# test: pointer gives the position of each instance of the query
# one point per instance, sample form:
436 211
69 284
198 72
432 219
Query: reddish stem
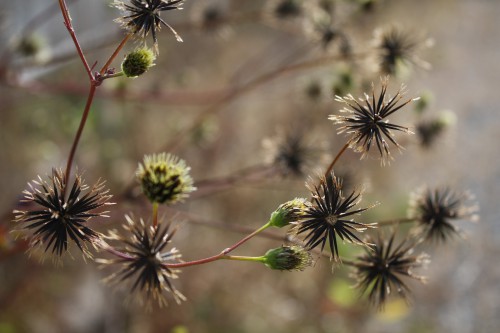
246 87
86 111
115 53
69 26
330 167
219 256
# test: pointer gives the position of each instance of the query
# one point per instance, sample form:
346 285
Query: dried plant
54 214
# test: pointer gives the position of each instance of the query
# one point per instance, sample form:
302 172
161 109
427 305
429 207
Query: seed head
327 218
138 62
290 211
367 123
382 269
429 130
142 255
59 217
436 211
165 178
283 9
143 17
30 45
289 153
288 258
397 47
212 16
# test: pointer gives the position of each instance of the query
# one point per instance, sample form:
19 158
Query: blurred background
249 76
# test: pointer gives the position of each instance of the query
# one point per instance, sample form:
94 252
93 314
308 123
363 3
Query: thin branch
252 84
69 26
83 121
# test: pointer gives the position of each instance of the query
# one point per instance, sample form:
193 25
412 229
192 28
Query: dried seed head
290 153
328 216
398 49
437 210
58 217
383 267
142 255
367 124
143 16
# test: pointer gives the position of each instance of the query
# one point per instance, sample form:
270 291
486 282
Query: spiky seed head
367 124
382 269
164 178
329 216
290 153
138 62
142 17
141 253
288 258
437 211
398 49
60 213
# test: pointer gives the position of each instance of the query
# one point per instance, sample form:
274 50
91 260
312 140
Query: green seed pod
30 46
138 62
290 211
164 178
287 258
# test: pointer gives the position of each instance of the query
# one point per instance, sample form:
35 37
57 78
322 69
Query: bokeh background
43 90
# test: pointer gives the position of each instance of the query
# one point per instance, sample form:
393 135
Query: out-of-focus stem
395 221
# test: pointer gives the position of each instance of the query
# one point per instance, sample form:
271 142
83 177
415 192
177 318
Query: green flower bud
290 211
138 62
288 258
164 178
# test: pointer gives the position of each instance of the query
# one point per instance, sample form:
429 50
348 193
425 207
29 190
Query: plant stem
395 221
254 173
115 53
246 87
222 255
245 258
330 167
155 214
265 226
69 26
86 111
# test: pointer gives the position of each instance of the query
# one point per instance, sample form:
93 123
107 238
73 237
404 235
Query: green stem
110 76
155 214
245 258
